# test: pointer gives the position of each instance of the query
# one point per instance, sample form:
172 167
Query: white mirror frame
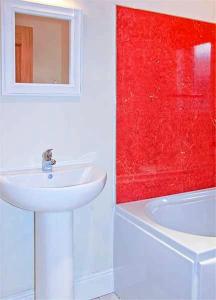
9 86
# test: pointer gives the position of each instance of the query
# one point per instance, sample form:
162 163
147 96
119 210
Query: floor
108 297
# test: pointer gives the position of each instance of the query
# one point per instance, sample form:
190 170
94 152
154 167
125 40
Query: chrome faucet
47 161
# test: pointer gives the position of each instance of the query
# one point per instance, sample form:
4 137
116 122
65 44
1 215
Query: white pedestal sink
53 196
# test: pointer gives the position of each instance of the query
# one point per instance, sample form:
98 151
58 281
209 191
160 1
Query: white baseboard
94 286
25 295
88 287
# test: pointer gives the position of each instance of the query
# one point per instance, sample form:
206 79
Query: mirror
41 46
41 49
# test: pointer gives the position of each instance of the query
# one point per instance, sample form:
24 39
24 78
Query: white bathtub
165 248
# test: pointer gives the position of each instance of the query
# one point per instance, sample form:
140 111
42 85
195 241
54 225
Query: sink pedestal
54 256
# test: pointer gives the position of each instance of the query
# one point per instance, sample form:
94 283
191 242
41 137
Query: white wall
29 125
72 127
204 10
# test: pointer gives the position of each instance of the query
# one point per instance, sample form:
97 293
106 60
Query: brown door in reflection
24 54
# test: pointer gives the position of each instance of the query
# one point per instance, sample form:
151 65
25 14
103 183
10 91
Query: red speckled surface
165 105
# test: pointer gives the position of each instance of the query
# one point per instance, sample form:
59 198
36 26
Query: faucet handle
47 155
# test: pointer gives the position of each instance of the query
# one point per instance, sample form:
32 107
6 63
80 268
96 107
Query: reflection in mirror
41 49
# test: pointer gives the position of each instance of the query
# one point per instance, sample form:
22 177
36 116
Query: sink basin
53 197
66 188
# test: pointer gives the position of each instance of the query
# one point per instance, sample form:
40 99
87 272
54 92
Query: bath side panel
147 269
207 286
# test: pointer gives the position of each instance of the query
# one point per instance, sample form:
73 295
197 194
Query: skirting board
86 288
25 295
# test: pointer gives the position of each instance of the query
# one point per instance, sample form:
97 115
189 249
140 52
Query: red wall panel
165 104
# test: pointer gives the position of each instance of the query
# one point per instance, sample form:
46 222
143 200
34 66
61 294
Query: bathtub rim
194 246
